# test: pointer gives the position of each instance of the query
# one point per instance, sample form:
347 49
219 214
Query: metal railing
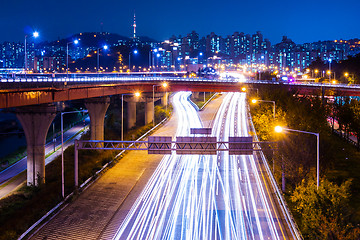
279 196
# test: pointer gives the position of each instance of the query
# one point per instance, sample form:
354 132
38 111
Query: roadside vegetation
199 98
22 209
332 211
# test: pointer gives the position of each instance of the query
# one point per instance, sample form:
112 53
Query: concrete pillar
195 94
149 110
36 121
97 108
131 112
164 99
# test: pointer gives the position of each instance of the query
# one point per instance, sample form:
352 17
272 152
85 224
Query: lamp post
163 85
351 74
105 47
35 35
273 102
157 60
62 150
67 56
137 94
330 60
281 129
200 55
244 89
151 58
134 52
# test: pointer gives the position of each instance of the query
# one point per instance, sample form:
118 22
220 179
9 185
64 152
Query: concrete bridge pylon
97 108
36 120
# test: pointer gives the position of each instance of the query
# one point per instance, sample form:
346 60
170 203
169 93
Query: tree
355 124
324 213
344 115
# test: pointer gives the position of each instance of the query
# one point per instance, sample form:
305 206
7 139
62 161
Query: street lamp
151 58
35 35
200 55
330 60
67 56
244 89
137 94
280 129
164 85
62 150
347 76
134 52
273 102
316 72
105 47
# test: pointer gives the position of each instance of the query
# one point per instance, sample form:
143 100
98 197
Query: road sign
241 145
159 145
206 131
196 145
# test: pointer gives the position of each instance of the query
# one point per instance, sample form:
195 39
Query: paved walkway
99 211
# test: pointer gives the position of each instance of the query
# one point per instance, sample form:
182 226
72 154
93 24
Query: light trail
205 197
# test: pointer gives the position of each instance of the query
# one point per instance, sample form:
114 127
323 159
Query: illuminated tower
134 25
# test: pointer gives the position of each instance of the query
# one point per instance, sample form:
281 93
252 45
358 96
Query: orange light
278 129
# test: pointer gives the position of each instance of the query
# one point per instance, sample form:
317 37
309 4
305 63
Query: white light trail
205 197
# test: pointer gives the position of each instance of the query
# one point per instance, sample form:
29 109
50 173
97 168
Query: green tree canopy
324 213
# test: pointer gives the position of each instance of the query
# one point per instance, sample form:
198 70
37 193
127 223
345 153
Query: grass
12 158
199 101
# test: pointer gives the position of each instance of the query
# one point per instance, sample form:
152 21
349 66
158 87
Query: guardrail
114 79
279 196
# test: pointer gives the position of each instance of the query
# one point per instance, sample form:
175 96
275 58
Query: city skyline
306 22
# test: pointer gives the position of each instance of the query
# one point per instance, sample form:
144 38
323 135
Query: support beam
195 94
149 110
97 108
164 99
131 112
36 121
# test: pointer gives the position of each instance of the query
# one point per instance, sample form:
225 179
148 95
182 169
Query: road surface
206 196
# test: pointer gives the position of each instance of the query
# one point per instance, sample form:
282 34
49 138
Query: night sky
302 21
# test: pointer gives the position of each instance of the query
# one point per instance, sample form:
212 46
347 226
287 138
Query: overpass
34 98
40 90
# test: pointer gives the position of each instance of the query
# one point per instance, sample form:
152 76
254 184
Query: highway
207 196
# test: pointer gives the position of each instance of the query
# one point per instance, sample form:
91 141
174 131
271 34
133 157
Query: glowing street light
280 129
67 56
34 35
164 85
105 47
136 94
151 57
330 60
134 52
273 102
244 89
